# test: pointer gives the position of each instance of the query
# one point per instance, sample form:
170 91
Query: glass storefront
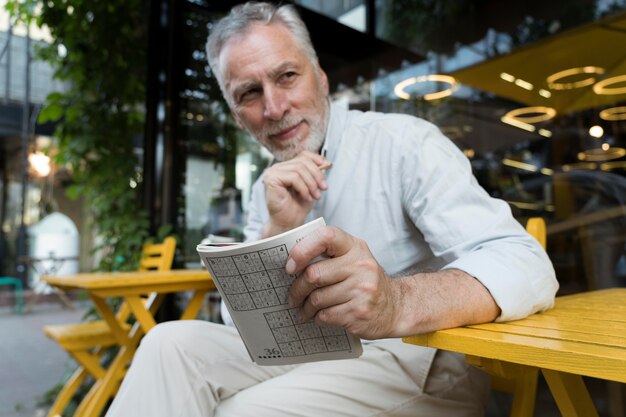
537 104
533 94
221 161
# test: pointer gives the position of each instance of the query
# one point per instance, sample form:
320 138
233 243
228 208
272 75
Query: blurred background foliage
99 51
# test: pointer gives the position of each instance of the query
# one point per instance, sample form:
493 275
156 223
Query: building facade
534 94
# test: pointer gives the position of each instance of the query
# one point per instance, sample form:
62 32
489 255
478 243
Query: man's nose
276 103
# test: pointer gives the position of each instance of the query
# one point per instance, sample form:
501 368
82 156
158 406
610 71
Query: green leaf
50 113
74 191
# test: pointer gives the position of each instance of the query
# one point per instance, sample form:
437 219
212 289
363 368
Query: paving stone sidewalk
30 363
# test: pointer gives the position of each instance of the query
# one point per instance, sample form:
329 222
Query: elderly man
414 244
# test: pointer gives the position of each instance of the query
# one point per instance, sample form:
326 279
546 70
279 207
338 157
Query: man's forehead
263 42
260 35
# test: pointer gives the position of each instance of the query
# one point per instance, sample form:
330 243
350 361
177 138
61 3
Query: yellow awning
600 47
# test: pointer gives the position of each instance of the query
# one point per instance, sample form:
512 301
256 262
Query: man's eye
249 94
288 76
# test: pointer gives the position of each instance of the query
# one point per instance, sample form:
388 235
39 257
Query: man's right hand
291 187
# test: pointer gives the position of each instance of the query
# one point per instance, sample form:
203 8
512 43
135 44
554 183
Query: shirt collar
334 132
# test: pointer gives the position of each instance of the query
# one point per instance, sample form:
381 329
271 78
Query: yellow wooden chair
519 381
86 342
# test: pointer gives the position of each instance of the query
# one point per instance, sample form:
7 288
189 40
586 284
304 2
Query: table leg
31 301
616 399
109 316
570 393
194 306
65 299
142 315
106 387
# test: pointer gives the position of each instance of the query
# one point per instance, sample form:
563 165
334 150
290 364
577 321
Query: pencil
325 166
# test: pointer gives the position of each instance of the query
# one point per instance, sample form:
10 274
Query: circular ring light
399 88
553 84
602 89
610 166
613 114
534 114
579 166
599 154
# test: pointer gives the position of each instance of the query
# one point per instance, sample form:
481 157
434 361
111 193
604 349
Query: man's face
274 90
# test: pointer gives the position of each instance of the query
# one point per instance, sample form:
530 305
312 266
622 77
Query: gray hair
239 20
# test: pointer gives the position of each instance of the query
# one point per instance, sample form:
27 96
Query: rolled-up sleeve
473 232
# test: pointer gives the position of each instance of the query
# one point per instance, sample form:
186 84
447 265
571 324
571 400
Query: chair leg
19 297
88 364
524 394
18 291
83 407
105 388
570 393
68 391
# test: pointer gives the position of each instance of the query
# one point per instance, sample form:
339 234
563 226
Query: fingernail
290 266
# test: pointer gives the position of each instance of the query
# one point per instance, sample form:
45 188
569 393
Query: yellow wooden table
130 286
584 335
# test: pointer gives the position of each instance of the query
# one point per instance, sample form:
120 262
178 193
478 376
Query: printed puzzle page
253 283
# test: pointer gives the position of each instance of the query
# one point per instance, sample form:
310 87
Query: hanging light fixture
447 79
555 83
602 88
613 114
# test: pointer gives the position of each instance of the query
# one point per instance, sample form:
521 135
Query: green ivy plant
99 51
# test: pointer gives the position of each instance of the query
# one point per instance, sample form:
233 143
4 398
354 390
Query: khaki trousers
202 369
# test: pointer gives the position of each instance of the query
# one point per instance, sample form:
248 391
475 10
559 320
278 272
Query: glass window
537 102
221 161
352 13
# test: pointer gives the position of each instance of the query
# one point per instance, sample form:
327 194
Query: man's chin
285 152
285 155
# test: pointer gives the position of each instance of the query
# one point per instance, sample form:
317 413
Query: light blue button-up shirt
399 184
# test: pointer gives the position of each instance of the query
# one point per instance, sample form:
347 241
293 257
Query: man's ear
323 80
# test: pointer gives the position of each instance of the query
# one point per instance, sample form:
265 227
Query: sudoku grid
296 338
254 280
258 280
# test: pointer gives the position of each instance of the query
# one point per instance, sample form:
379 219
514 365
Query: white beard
313 143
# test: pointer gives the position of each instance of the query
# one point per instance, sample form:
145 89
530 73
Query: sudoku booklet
252 281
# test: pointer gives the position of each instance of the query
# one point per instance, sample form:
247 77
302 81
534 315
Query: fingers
355 297
324 274
348 288
291 188
302 175
318 275
329 241
296 178
324 298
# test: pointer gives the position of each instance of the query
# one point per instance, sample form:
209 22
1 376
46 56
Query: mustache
282 125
